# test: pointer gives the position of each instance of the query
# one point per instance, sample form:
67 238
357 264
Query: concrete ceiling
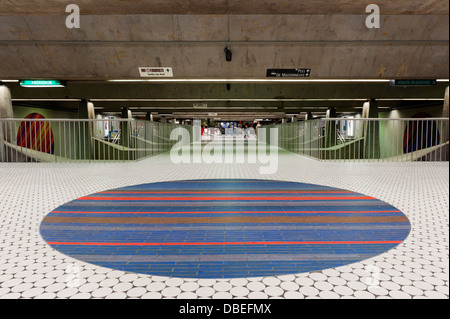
109 7
333 46
116 37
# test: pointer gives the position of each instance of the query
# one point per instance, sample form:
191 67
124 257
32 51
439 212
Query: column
197 141
149 128
330 128
446 102
85 132
126 129
7 130
371 130
306 141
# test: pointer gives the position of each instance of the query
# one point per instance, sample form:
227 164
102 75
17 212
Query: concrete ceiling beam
108 7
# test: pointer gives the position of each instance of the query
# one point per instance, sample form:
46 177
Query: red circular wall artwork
36 135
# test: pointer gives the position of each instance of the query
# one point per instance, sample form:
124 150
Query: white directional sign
288 73
200 105
156 72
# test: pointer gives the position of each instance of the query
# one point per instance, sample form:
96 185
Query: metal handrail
82 140
374 139
75 140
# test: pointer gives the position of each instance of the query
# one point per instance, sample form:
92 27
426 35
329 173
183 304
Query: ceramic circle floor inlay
224 228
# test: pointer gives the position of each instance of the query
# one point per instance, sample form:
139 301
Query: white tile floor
417 268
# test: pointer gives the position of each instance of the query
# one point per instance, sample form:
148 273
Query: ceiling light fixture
282 80
223 100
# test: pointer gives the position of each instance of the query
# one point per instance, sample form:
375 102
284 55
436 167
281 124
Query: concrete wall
433 111
21 111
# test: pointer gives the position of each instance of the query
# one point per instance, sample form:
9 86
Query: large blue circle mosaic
224 228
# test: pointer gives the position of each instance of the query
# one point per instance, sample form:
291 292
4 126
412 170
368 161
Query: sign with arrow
424 82
288 73
156 72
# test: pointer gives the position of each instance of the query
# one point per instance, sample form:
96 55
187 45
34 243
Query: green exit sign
413 82
42 83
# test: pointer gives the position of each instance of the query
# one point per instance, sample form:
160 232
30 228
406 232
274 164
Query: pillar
85 131
126 128
149 127
446 102
6 111
196 141
330 128
371 130
306 135
86 110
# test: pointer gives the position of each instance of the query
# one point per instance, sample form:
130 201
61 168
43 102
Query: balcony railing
380 140
386 140
62 140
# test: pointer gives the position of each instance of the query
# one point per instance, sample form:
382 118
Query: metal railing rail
339 139
83 140
374 139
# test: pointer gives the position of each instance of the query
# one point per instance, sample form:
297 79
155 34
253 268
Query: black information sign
413 82
288 73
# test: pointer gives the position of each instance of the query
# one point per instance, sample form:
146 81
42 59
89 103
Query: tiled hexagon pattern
417 268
